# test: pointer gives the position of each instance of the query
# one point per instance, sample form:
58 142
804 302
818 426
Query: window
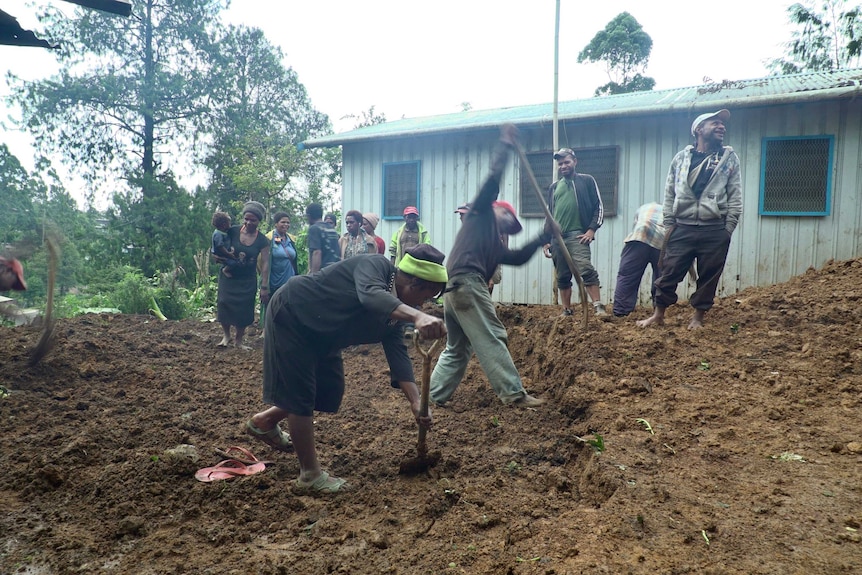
796 176
601 163
400 188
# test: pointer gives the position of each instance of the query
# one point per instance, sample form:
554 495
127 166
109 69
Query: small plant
705 538
154 458
597 443
788 456
4 393
704 365
734 328
646 424
495 421
513 467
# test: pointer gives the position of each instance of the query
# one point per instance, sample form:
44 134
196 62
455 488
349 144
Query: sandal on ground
239 454
228 469
275 437
324 483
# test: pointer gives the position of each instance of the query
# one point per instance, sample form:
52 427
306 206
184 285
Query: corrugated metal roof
725 94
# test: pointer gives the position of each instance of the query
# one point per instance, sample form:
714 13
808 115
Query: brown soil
753 465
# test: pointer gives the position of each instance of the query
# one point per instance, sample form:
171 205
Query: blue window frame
400 188
796 176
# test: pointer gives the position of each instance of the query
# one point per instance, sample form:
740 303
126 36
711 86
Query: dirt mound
733 449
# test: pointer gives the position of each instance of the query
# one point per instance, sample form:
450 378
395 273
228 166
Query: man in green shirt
575 201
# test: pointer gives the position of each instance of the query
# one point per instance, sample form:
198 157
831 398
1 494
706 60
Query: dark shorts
300 375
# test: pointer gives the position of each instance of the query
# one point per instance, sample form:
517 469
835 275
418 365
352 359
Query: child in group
221 246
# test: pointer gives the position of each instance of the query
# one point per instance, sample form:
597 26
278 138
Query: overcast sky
411 59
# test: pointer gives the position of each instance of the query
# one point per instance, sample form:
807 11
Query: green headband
423 269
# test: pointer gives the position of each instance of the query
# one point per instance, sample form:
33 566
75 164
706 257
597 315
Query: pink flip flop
228 469
240 454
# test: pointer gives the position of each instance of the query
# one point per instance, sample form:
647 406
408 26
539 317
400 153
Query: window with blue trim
400 188
796 176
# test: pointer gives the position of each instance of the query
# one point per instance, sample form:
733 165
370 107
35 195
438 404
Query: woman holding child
236 293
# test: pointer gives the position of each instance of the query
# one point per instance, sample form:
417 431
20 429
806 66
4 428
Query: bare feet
697 320
657 318
224 341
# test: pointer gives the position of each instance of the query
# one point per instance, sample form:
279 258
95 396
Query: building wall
765 249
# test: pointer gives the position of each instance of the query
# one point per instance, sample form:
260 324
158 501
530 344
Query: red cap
16 268
506 205
411 210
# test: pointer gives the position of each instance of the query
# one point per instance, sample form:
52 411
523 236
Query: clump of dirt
733 449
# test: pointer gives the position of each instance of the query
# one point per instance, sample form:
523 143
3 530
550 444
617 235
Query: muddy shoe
325 483
528 401
275 437
600 309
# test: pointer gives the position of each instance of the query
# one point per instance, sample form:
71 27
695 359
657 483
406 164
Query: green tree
129 91
624 48
17 188
260 114
33 209
181 229
828 36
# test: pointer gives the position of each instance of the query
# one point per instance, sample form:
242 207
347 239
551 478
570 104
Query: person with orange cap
471 320
411 233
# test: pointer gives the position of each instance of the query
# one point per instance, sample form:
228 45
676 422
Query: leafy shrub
134 293
302 252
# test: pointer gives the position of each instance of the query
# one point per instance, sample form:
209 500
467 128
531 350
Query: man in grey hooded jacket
702 206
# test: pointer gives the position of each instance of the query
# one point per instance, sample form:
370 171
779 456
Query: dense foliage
135 102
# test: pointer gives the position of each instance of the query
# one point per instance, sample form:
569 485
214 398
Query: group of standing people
354 294
700 210
244 252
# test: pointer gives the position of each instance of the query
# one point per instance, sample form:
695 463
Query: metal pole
556 142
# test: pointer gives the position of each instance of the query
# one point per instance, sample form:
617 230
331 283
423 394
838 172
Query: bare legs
566 295
226 339
301 429
240 334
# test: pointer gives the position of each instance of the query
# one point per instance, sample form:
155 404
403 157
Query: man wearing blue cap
702 206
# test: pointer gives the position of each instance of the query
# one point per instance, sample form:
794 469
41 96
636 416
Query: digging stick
423 460
425 391
525 165
46 341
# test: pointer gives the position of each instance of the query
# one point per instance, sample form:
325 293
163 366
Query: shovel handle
425 388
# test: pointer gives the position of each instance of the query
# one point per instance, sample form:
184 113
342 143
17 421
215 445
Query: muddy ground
734 449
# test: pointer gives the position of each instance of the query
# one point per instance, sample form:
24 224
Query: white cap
723 115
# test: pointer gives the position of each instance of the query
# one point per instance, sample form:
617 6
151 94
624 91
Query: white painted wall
765 250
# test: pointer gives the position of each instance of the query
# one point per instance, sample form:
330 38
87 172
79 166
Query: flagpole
556 142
